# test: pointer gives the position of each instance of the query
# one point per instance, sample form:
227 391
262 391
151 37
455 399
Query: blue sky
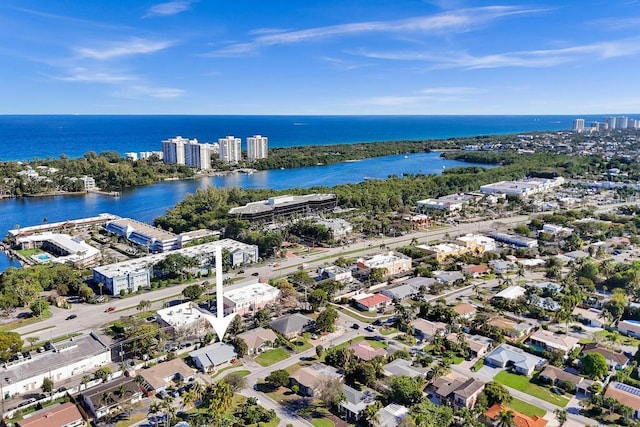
319 57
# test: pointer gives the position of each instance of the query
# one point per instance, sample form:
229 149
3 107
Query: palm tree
85 380
370 413
122 390
506 418
154 408
561 416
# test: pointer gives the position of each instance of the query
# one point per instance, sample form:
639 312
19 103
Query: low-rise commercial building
522 188
59 361
153 238
249 297
514 240
283 206
450 203
183 319
473 241
137 273
394 263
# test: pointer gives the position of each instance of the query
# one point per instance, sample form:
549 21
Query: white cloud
130 47
531 59
84 75
169 8
143 91
459 20
616 23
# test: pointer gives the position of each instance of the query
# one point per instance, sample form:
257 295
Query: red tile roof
374 300
520 420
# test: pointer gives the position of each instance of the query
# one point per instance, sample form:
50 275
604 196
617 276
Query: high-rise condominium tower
257 147
230 150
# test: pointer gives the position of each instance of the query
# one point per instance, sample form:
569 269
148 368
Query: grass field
522 383
479 364
270 357
618 338
241 373
322 422
526 408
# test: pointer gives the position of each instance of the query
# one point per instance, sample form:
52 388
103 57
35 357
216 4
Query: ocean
28 137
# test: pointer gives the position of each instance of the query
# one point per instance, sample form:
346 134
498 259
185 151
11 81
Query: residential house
372 302
506 355
492 417
213 357
401 368
590 317
630 328
457 391
500 266
549 341
364 351
510 293
625 394
556 376
354 402
100 400
399 293
465 310
476 344
308 378
65 415
258 339
544 286
510 328
392 415
427 329
616 359
158 377
476 271
449 278
292 325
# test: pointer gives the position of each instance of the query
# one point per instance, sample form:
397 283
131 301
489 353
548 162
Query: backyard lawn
270 357
612 336
322 422
522 383
526 408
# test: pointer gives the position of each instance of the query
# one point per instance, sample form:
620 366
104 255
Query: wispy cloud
427 95
84 75
344 64
458 20
169 8
143 91
531 58
134 46
616 23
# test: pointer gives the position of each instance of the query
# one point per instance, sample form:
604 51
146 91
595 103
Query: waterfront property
72 225
283 206
60 248
59 361
153 238
131 275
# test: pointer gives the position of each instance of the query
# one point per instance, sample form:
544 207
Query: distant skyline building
611 122
173 150
257 147
622 122
198 155
578 125
230 149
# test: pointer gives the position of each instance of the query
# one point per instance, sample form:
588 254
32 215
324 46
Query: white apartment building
230 149
198 155
257 147
578 125
173 150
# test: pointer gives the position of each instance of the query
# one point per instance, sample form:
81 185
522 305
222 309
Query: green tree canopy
594 365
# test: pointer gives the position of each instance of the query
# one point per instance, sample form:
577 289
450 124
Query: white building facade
257 147
230 149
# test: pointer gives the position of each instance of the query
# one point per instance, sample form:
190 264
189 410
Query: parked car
72 316
255 274
355 326
370 328
110 309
